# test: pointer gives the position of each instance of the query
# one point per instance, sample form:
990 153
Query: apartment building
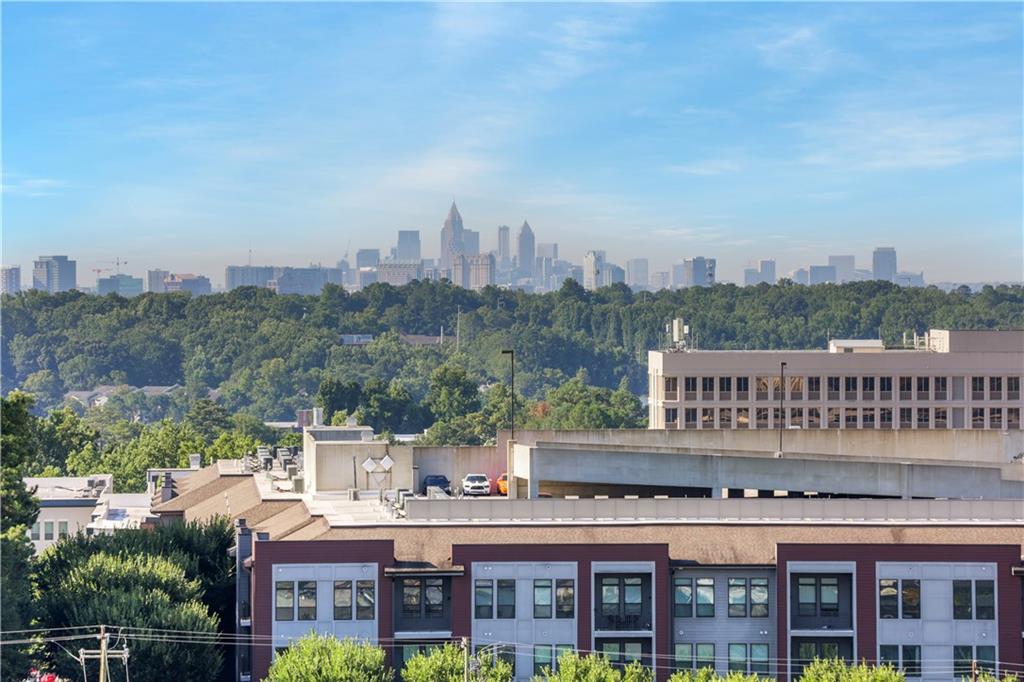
951 380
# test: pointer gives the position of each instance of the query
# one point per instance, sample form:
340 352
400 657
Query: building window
813 418
343 600
542 658
867 418
684 656
977 388
885 388
762 417
1013 388
923 388
912 660
851 417
707 388
725 418
813 388
671 388
850 387
34 533
834 417
560 651
977 417
724 387
962 600
888 598
671 415
817 596
762 388
995 418
690 414
366 600
47 530
995 388
542 598
807 596
738 658
506 599
910 598
963 658
906 417
705 656
743 417
632 596
705 597
759 660
62 529
1013 417
433 598
867 387
796 416
986 658
284 600
941 419
984 600
411 591
885 417
507 653
941 384
737 597
565 598
759 597
307 600
923 418
690 388
796 388
889 654
682 599
742 388
906 388
833 388
483 599
707 418
829 594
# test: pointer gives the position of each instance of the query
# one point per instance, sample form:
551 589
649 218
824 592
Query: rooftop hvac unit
299 484
195 460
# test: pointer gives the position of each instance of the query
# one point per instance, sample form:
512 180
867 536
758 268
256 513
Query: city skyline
834 136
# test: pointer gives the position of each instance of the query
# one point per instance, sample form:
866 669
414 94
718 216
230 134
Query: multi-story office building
660 280
822 274
451 238
883 263
636 273
504 246
763 273
197 285
800 276
408 248
120 284
54 274
399 272
470 242
845 267
699 271
473 272
249 276
593 270
955 380
547 250
613 274
10 279
526 251
927 585
155 281
367 258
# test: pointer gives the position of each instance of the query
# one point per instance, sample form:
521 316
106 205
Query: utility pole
782 402
465 659
103 653
512 410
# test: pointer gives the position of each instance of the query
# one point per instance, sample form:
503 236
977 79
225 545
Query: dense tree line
267 355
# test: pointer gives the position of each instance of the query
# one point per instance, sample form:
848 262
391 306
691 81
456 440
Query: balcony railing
622 622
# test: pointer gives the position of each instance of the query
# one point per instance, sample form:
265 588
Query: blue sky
174 135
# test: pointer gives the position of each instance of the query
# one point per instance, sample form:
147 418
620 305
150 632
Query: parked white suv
476 484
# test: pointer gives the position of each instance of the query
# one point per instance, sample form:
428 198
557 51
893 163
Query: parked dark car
436 480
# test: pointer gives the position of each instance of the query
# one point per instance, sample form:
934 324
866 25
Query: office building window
542 598
833 388
777 418
705 656
507 653
912 660
885 417
796 388
762 417
47 530
366 600
867 418
906 388
813 418
737 597
342 600
632 597
807 596
888 598
565 598
307 600
682 598
829 595
889 654
941 384
671 388
759 660
923 388
995 418
671 415
995 388
724 387
796 416
851 417
986 658
742 388
977 417
759 597
506 599
562 650
963 604
707 388
411 591
483 597
977 388
542 658
707 418
963 658
1013 388
906 417
1013 417
762 388
705 597
923 418
867 387
684 656
984 599
817 596
725 418
813 388
690 387
885 388
743 418
284 600
850 387
910 598
690 415
737 658
941 418
62 530
34 533
834 417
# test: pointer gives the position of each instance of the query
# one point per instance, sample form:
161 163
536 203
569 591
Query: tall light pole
512 410
782 401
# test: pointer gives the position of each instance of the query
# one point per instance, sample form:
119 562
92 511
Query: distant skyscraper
451 238
245 276
122 285
636 273
593 270
155 281
699 271
526 250
399 272
470 242
408 245
54 274
764 272
473 272
10 279
504 246
547 250
679 274
660 280
367 258
821 274
799 276
883 263
751 277
845 267
613 274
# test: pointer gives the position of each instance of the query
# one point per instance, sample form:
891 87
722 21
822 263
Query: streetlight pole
782 402
512 410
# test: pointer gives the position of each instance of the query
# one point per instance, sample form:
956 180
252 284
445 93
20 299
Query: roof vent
195 460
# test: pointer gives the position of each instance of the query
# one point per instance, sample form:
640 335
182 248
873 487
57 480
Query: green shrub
325 658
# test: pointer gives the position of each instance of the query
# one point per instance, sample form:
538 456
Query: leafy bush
324 658
447 664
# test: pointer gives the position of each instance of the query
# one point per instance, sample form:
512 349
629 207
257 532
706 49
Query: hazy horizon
177 136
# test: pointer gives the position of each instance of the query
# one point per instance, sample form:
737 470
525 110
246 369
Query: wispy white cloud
706 167
803 48
23 186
